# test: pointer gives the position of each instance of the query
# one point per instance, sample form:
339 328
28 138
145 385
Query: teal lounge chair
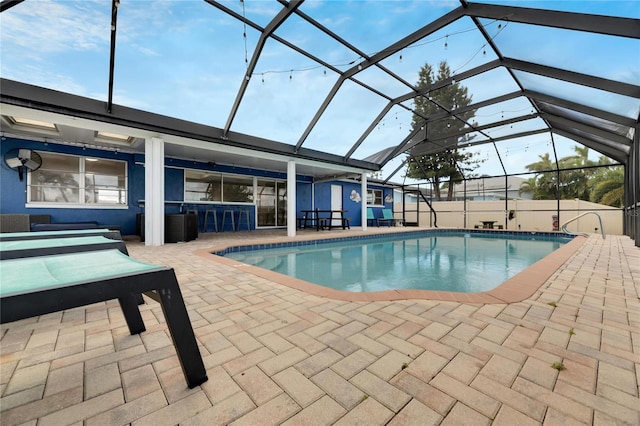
387 217
44 247
34 286
371 218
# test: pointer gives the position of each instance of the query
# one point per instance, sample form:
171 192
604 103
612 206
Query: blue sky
187 59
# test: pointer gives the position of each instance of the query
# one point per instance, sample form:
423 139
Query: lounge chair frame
34 249
160 283
38 235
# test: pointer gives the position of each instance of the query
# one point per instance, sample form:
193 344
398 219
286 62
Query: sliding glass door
272 203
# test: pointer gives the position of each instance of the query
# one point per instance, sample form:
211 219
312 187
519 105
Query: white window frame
371 193
81 189
222 175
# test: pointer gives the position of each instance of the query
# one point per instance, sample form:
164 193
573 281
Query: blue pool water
445 261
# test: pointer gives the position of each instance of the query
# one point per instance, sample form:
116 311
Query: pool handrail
564 225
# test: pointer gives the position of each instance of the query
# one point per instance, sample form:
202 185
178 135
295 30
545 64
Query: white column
154 192
291 199
363 191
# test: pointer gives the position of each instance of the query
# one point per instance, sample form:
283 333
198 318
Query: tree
607 186
576 178
543 185
448 164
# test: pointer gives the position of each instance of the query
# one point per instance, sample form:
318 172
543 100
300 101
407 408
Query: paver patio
278 355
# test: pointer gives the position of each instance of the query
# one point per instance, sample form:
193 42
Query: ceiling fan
23 160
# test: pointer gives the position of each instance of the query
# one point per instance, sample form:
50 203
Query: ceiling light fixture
112 137
28 122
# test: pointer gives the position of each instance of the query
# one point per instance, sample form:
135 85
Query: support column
363 191
633 203
291 199
154 192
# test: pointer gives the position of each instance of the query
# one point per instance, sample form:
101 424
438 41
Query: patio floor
278 355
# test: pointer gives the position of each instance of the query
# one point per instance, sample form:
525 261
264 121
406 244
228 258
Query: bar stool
230 213
210 213
244 213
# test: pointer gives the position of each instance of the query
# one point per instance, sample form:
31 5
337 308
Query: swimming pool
429 260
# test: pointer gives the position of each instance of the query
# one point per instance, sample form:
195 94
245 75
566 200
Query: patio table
40 285
323 217
43 247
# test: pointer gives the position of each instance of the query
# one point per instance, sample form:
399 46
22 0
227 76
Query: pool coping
517 288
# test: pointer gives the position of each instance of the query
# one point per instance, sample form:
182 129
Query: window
237 189
202 186
68 179
374 197
207 186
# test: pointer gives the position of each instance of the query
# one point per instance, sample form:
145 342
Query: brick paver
278 355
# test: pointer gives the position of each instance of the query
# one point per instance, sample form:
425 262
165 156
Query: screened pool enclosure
545 91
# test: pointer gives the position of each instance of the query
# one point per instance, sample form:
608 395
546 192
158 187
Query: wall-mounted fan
23 160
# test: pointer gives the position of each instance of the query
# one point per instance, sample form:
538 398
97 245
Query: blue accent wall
304 191
13 191
308 195
323 199
13 195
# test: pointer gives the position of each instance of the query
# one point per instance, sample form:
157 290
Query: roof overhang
185 139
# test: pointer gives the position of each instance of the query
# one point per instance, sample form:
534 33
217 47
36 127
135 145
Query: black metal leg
139 299
129 306
182 334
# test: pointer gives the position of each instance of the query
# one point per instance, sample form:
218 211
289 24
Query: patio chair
40 285
60 242
388 218
18 249
64 226
42 235
371 217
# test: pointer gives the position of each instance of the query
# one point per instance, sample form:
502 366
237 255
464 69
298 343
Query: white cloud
46 27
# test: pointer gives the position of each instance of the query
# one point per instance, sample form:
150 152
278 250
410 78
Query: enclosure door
272 203
336 203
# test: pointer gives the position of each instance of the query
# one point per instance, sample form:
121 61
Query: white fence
528 215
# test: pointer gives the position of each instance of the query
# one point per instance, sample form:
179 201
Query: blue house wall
353 205
308 195
13 195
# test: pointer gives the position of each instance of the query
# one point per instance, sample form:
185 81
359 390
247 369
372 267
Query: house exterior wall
13 191
352 205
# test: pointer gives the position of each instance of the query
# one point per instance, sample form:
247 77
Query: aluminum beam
616 139
38 98
264 36
604 150
115 4
8 4
621 27
383 54
613 86
584 109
